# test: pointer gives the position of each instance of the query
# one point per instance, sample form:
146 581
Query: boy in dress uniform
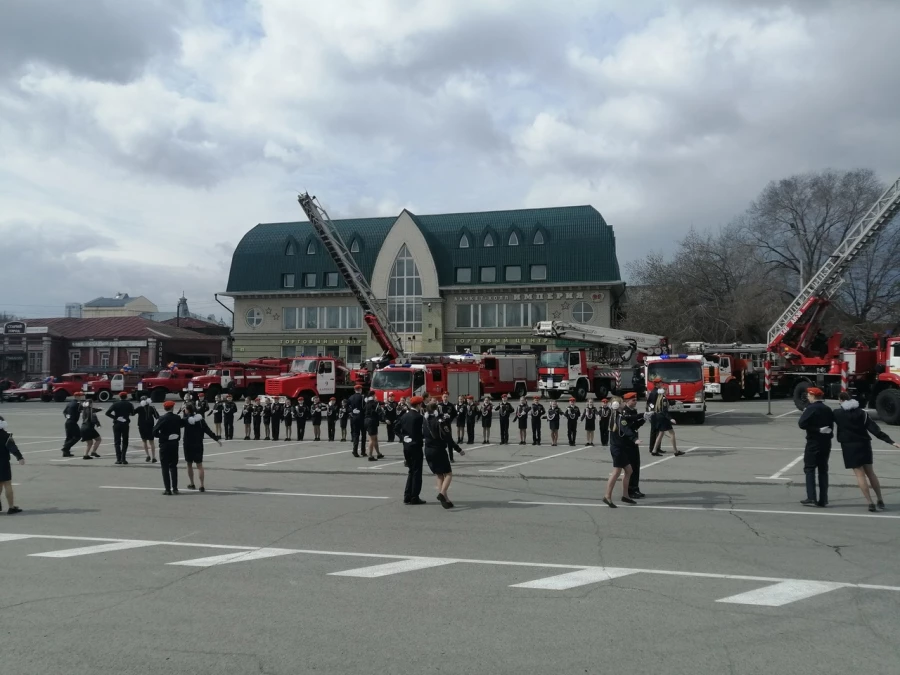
301 415
343 417
229 409
635 420
277 416
537 413
355 404
410 430
120 413
390 417
472 413
315 416
504 412
331 413
288 417
553 416
460 418
603 419
817 420
73 431
168 430
256 411
573 414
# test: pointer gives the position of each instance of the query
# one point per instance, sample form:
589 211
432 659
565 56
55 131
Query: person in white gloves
7 448
195 427
120 413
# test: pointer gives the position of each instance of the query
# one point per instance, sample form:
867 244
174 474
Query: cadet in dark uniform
194 428
435 446
664 424
331 413
537 413
301 415
247 418
8 447
168 430
146 418
634 422
657 390
371 415
277 416
267 417
622 435
89 433
487 413
553 417
603 416
73 432
472 414
390 416
201 407
460 419
590 422
410 429
355 405
229 409
217 407
120 413
573 414
315 416
256 410
504 412
343 417
522 418
817 421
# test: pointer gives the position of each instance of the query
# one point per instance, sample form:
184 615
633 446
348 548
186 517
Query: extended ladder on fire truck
725 348
373 314
826 281
635 342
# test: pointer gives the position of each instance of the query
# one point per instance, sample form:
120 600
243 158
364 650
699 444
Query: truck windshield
392 379
675 371
553 359
212 372
165 374
303 366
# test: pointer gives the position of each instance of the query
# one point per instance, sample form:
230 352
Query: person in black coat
73 431
247 418
390 416
603 415
372 415
409 427
854 427
355 405
487 414
505 411
435 447
277 416
89 433
522 418
120 413
316 410
537 413
554 414
8 447
256 411
817 420
168 430
472 414
217 406
301 416
635 422
343 419
589 416
623 438
656 390
147 415
194 428
663 422
331 414
229 409
572 414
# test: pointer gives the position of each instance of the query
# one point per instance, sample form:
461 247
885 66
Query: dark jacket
854 426
8 447
356 403
193 434
168 428
72 411
624 433
432 436
411 427
814 420
120 408
146 415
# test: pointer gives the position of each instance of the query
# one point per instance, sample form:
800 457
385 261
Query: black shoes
86 457
872 508
637 494
154 460
124 462
118 461
175 491
610 503
202 489
13 510
813 503
191 487
380 456
372 458
628 500
94 454
147 459
68 454
881 505
168 493
355 454
414 502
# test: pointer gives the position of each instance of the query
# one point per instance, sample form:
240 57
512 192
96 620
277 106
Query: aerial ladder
791 333
373 313
632 342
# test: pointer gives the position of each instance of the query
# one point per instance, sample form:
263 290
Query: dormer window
354 246
488 240
464 241
513 239
290 249
538 238
311 249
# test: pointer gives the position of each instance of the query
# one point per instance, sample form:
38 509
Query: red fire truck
803 356
109 386
65 385
431 374
237 378
172 380
578 371
310 376
512 373
682 377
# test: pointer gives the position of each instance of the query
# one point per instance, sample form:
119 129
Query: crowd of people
432 430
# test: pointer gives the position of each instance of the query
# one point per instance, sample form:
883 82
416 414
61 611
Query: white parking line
246 492
719 412
241 556
97 548
397 567
778 474
789 412
297 459
532 461
380 465
782 593
267 447
817 512
666 459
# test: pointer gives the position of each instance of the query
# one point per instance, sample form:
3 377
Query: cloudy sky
139 140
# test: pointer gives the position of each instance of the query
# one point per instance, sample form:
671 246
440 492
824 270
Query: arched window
513 239
354 246
311 248
582 312
464 241
488 240
538 238
405 294
290 249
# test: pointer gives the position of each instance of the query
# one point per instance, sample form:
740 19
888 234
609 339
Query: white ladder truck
373 313
804 357
578 372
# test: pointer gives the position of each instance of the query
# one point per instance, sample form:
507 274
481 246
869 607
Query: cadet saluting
818 422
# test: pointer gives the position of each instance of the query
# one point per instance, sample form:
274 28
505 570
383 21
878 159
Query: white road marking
408 563
720 412
241 556
778 474
397 567
666 459
246 492
380 465
532 461
782 593
297 459
575 579
90 550
40 443
789 412
268 447
642 506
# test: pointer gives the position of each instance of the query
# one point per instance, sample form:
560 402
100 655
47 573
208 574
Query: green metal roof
578 246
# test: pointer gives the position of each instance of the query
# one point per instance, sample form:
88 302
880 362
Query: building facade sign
109 343
497 340
14 328
37 330
322 341
512 297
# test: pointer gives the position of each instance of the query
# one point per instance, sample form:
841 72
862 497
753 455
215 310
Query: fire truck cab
682 377
435 376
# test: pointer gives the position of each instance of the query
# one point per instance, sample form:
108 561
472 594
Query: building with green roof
450 282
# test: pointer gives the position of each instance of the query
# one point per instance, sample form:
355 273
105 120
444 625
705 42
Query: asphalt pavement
301 558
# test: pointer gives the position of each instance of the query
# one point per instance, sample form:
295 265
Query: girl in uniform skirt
217 408
460 419
590 421
435 447
288 417
247 418
343 417
147 416
553 416
522 417
267 417
89 434
619 435
664 425
487 412
854 427
7 448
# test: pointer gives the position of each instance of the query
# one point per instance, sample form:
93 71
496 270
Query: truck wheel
581 391
158 395
60 395
801 399
888 406
103 395
554 393
750 391
521 391
46 398
700 417
731 391
214 390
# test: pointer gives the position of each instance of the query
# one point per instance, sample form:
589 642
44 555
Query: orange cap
415 400
815 391
168 405
629 396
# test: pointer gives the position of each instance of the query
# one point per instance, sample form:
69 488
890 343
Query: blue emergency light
663 356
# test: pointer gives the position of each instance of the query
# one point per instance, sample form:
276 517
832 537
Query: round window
582 312
254 317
